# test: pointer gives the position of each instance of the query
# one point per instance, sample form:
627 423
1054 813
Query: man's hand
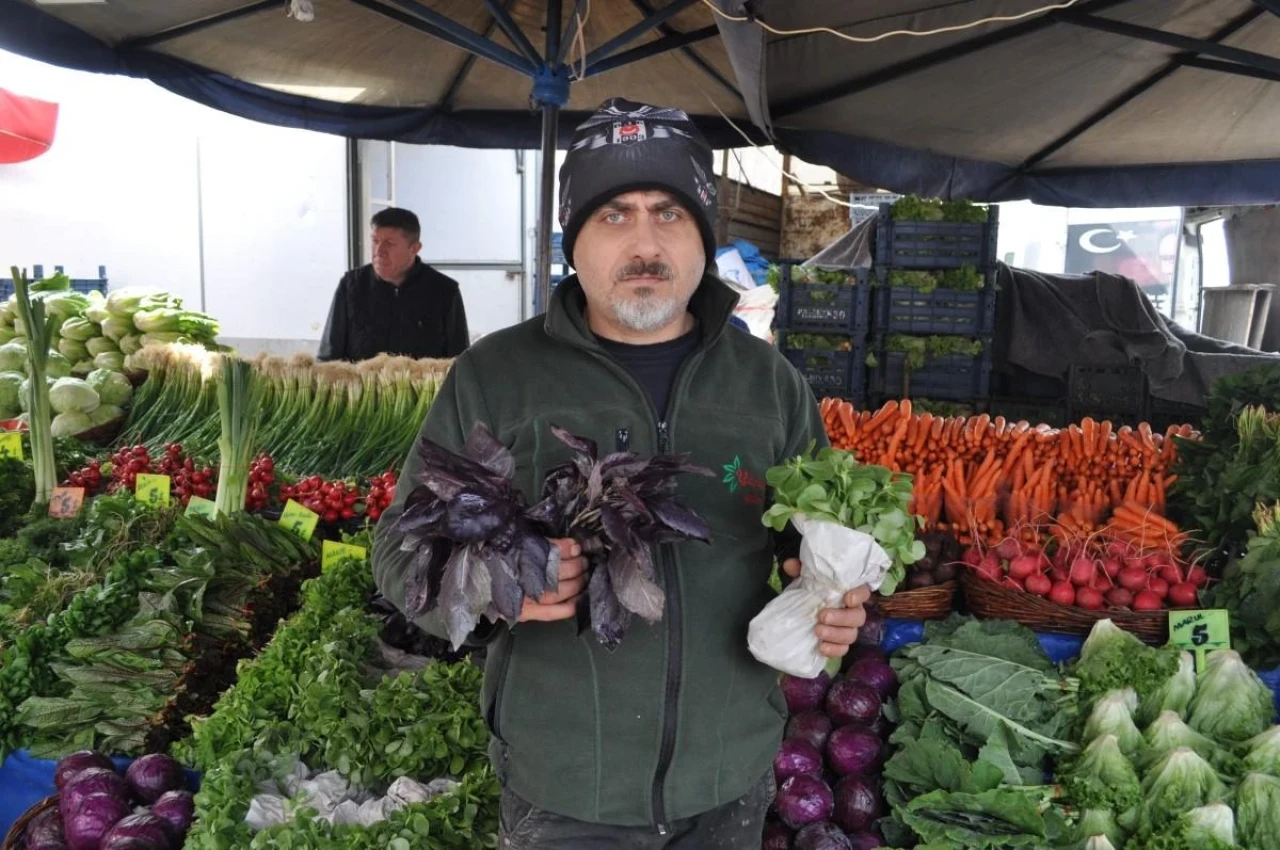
561 603
837 628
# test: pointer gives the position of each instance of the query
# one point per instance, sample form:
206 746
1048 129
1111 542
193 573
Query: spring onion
40 418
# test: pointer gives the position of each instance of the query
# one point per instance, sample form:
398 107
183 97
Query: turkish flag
26 127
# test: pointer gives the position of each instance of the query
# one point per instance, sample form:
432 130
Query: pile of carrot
986 478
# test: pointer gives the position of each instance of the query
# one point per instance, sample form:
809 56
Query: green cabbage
1112 715
64 305
1231 702
57 366
101 345
131 344
165 339
82 367
13 357
1174 695
104 414
10 383
24 392
1258 812
72 349
112 387
72 395
117 327
7 334
123 303
80 329
70 424
112 360
195 325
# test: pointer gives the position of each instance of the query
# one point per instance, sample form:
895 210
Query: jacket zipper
675 671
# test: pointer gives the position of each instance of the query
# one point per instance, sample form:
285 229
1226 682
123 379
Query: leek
239 395
40 418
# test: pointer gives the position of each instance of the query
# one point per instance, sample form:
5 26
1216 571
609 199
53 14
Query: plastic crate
953 377
905 309
1162 414
825 308
85 285
1120 390
1035 411
841 374
936 244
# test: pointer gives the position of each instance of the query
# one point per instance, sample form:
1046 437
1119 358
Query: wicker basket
988 599
924 603
15 839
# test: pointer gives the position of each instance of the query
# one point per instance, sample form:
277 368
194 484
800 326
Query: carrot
882 416
845 412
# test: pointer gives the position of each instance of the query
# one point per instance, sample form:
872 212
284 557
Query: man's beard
643 310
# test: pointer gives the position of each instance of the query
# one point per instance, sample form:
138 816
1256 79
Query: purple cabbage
777 836
91 781
875 673
142 831
91 818
858 804
811 726
852 702
803 800
866 840
805 694
69 766
853 751
44 832
178 808
154 774
796 757
822 836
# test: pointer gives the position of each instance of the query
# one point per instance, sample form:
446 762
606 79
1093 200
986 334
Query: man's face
639 258
393 253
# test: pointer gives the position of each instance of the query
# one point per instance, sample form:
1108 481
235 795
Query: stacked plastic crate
822 320
934 305
85 285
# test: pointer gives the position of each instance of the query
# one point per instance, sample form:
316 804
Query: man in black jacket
397 304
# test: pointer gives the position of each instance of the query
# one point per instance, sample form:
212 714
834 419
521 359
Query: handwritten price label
299 520
333 553
11 445
198 506
65 502
153 490
1200 631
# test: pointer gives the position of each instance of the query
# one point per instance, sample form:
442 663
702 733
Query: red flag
26 127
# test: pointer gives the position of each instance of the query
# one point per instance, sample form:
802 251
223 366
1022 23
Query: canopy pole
546 201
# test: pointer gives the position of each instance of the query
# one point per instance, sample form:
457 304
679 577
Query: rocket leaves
481 550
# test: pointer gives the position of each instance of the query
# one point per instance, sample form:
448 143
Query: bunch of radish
1113 576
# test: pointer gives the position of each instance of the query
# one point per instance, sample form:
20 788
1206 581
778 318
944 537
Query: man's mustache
651 269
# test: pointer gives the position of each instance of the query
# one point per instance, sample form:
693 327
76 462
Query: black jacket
423 317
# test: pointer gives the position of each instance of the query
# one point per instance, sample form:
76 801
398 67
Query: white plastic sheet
834 560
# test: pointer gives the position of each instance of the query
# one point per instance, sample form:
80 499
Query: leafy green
1113 715
1258 812
915 208
1174 695
1250 590
1103 777
1231 703
1113 659
963 279
1263 752
1168 732
1004 818
1095 822
921 349
831 485
1180 782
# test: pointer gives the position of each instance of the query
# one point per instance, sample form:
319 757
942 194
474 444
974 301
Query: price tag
153 490
333 553
11 444
198 506
65 502
299 520
1200 631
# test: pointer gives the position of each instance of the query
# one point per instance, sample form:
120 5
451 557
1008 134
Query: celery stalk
40 413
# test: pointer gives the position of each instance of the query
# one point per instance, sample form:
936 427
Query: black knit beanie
627 147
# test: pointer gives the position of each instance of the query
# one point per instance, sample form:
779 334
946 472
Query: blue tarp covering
899 633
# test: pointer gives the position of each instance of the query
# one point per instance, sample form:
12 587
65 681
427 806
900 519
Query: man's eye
670 215
614 217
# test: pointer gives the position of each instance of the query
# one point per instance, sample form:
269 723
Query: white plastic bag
834 560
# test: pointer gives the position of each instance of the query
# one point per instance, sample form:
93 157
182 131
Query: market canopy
1104 103
27 127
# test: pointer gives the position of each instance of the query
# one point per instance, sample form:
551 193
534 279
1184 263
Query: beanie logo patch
629 132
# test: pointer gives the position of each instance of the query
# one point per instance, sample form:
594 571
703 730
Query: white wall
137 178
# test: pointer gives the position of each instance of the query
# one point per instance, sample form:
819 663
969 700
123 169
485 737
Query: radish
1154 561
1134 562
1101 581
1133 578
972 556
1169 573
1117 550
1197 576
1023 566
1059 574
1081 571
1039 584
1111 566
1008 549
1087 597
1119 597
989 567
1182 595
1147 601
1159 587
1063 593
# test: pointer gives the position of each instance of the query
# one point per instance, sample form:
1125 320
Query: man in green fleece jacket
668 740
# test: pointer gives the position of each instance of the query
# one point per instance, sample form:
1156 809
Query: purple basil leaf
581 445
473 517
422 513
622 465
552 564
635 592
632 500
680 519
504 582
615 526
422 584
486 450
609 620
548 515
465 593
530 551
595 484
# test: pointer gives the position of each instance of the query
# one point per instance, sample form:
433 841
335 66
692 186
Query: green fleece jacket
680 718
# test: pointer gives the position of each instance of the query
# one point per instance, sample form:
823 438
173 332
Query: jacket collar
712 304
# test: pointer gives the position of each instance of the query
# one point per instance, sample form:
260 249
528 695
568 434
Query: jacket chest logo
738 478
